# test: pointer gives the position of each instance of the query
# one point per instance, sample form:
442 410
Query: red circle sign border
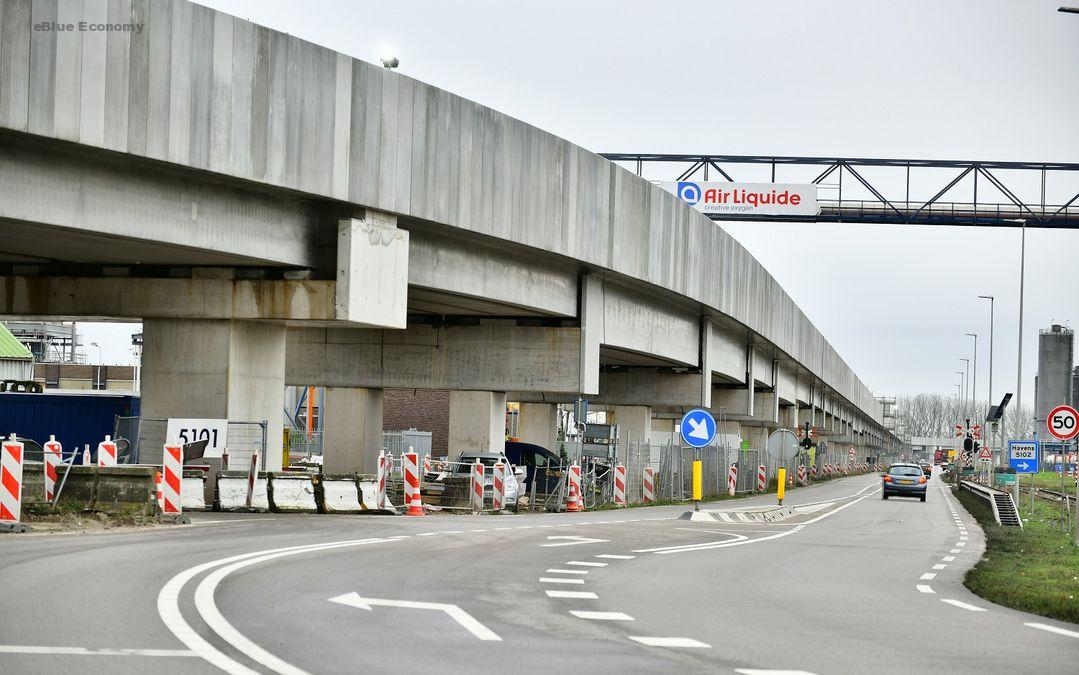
1053 412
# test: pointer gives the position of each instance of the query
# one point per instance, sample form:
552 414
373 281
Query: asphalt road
853 584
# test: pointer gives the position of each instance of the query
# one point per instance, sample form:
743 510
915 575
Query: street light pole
966 401
992 301
1022 278
974 389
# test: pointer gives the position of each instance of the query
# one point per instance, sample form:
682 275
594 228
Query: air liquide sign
764 199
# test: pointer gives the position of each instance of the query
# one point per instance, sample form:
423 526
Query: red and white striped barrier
252 478
648 494
478 469
427 468
410 469
106 452
619 485
11 457
380 487
54 456
732 479
86 458
813 471
790 479
157 492
762 478
573 500
498 486
802 474
172 471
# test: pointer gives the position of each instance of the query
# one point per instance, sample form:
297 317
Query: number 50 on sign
1063 422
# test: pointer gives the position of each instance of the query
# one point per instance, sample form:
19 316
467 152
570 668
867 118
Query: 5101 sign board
180 430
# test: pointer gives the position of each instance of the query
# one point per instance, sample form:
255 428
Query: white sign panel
763 199
183 431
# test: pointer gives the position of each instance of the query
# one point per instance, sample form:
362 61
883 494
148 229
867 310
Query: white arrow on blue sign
1023 456
698 428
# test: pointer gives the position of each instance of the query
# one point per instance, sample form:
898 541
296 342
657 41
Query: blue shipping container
76 419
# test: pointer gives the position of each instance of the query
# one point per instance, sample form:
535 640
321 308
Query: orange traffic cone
573 503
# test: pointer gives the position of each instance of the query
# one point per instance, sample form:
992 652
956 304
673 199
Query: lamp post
97 377
966 367
1022 276
974 385
989 397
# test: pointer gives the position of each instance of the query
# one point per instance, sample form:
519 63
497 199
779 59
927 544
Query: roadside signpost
1063 422
698 428
1023 456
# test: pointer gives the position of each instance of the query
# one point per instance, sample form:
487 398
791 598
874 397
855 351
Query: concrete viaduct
278 213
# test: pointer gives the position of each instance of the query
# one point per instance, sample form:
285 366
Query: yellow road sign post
697 484
781 488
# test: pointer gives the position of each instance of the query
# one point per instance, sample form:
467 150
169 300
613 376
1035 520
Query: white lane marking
962 538
572 540
83 651
733 538
928 576
400 536
567 524
168 601
456 613
1053 629
681 642
925 588
477 530
583 563
601 616
582 595
453 532
615 556
961 543
558 571
948 558
963 605
955 550
560 580
939 566
757 671
499 529
427 534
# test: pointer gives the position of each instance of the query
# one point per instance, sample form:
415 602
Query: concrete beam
477 422
647 387
495 355
372 271
351 430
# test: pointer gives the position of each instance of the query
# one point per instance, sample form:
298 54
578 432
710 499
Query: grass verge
1034 569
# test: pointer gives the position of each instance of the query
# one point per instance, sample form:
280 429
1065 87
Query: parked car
536 461
927 468
904 480
461 467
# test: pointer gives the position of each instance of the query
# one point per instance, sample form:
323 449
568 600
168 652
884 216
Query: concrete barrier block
33 483
292 493
193 491
232 492
123 489
338 494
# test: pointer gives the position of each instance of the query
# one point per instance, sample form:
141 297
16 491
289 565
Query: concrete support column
215 369
477 422
634 424
537 423
351 430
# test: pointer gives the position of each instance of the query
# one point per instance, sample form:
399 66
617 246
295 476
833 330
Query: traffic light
807 443
968 444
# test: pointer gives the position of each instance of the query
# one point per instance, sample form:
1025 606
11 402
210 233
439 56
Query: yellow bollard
697 481
782 487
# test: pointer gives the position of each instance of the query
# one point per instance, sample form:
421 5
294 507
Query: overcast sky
916 79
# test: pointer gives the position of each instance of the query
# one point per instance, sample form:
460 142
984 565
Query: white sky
917 79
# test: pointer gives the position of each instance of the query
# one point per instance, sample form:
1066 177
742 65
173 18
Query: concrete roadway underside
853 585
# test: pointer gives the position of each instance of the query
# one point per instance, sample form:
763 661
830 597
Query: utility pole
992 301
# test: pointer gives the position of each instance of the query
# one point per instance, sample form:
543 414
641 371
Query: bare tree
935 416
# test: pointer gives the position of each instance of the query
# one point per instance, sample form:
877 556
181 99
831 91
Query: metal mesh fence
147 438
398 442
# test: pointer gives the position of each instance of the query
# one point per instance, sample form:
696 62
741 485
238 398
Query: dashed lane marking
577 595
601 616
757 671
560 580
614 556
962 605
1053 629
961 543
83 651
939 566
678 642
558 571
583 563
955 550
928 576
948 558
925 588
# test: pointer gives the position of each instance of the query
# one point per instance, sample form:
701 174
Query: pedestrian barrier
498 486
106 452
648 493
338 494
11 457
802 475
619 485
476 490
193 490
54 456
292 493
232 492
573 497
762 478
732 479
171 477
411 470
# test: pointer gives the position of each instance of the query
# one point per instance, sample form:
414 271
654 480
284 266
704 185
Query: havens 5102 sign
766 199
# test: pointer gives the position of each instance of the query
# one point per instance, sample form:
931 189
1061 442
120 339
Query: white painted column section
351 430
372 271
213 369
477 422
538 423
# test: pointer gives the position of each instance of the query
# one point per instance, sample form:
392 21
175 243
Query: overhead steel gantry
877 203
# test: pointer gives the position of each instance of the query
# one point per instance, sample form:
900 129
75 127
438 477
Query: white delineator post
53 458
252 476
11 481
762 478
410 472
732 479
619 485
86 457
648 485
801 474
498 486
106 452
172 472
477 486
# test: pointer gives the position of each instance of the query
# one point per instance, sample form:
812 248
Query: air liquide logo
689 192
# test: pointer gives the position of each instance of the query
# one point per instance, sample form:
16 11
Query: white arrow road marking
572 540
670 642
1053 629
601 616
699 428
456 613
963 605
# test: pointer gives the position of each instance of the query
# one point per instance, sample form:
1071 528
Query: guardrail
1004 510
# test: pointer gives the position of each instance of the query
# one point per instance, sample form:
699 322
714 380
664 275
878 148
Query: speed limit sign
1063 422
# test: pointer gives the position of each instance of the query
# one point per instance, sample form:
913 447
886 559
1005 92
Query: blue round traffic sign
698 428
